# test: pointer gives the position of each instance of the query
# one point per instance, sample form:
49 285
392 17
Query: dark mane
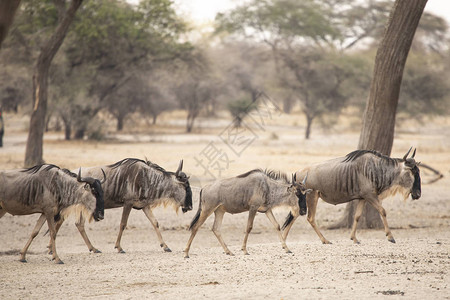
352 156
275 175
250 172
35 169
131 161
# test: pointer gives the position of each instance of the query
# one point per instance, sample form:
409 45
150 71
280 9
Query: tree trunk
309 121
34 151
8 9
120 120
379 117
79 133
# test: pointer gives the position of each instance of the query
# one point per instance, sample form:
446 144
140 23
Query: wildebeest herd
363 175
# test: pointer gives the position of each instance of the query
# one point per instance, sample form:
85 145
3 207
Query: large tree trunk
33 153
8 9
379 117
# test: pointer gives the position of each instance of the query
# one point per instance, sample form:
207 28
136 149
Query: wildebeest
254 191
53 192
363 175
139 184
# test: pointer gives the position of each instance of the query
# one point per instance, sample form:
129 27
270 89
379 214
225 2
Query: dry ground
416 267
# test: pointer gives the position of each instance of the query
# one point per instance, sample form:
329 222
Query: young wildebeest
139 184
53 192
254 191
363 175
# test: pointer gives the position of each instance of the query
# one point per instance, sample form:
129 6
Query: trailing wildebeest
254 191
54 193
139 184
363 175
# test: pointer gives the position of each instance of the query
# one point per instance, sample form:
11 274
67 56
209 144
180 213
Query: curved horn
89 180
79 179
180 167
414 153
104 177
304 179
406 155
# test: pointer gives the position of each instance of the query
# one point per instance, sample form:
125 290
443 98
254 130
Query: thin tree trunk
309 121
34 151
8 9
379 117
120 120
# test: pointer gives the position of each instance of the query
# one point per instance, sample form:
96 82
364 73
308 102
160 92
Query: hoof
97 251
230 253
327 243
23 260
186 256
59 262
121 251
289 251
391 240
167 250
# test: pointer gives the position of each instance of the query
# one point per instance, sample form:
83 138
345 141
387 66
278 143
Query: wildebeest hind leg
251 217
218 218
377 205
148 212
35 232
358 212
123 224
272 219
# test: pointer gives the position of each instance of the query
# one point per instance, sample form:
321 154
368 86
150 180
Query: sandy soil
416 267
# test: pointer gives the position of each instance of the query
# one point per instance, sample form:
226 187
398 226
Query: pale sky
204 11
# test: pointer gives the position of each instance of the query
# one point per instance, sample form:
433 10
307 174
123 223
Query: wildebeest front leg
123 224
375 202
202 218
218 218
80 226
52 229
311 203
251 217
148 212
272 219
35 232
358 212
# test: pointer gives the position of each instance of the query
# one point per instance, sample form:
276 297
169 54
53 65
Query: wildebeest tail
288 221
197 215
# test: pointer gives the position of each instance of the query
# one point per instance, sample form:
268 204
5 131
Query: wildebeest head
95 187
410 175
183 179
301 192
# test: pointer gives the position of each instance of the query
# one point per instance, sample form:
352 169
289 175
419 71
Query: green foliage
240 108
271 20
425 88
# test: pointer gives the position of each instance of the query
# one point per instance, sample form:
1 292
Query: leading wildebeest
363 175
139 184
53 192
254 191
